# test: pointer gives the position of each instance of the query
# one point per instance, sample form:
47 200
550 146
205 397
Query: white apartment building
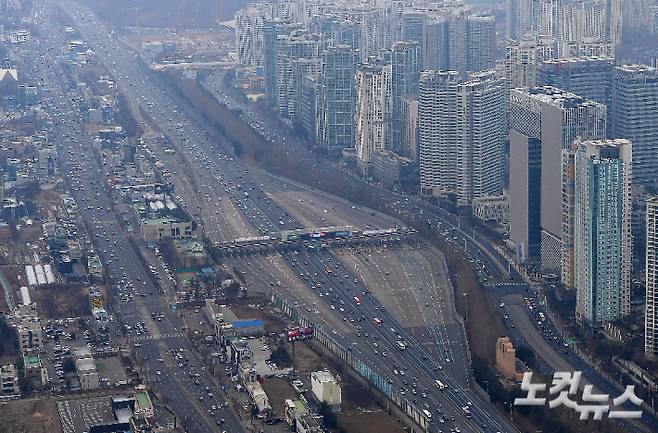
461 130
373 111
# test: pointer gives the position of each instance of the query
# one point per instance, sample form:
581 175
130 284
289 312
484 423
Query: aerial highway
213 155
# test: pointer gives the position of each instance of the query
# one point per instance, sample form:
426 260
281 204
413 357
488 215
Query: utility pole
294 360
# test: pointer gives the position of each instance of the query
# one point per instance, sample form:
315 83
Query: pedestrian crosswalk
158 336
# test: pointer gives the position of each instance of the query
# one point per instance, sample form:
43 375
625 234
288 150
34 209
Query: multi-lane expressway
217 163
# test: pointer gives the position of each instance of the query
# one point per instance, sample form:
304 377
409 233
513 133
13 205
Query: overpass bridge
311 239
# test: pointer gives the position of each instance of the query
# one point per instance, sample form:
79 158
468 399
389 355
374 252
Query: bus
377 321
357 301
427 414
439 384
467 411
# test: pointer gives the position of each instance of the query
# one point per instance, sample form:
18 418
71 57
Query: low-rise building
506 361
95 268
32 366
156 229
9 381
293 409
143 405
85 367
307 424
495 208
258 397
29 335
326 389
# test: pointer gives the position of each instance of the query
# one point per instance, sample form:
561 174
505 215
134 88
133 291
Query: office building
525 196
635 117
553 119
373 111
602 230
336 126
651 280
461 131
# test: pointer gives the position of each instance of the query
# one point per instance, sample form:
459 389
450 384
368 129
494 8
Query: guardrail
378 381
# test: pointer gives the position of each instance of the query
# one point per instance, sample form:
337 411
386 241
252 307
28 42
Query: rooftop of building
143 400
636 68
556 97
162 220
32 361
577 60
323 376
298 405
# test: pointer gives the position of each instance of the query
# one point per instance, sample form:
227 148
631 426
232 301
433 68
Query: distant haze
166 13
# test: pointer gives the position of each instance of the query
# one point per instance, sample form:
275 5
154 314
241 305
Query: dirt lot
242 310
278 390
29 416
369 422
58 301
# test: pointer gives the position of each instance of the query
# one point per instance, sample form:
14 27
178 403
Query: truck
427 414
401 345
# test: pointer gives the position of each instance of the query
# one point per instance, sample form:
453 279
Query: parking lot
78 415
